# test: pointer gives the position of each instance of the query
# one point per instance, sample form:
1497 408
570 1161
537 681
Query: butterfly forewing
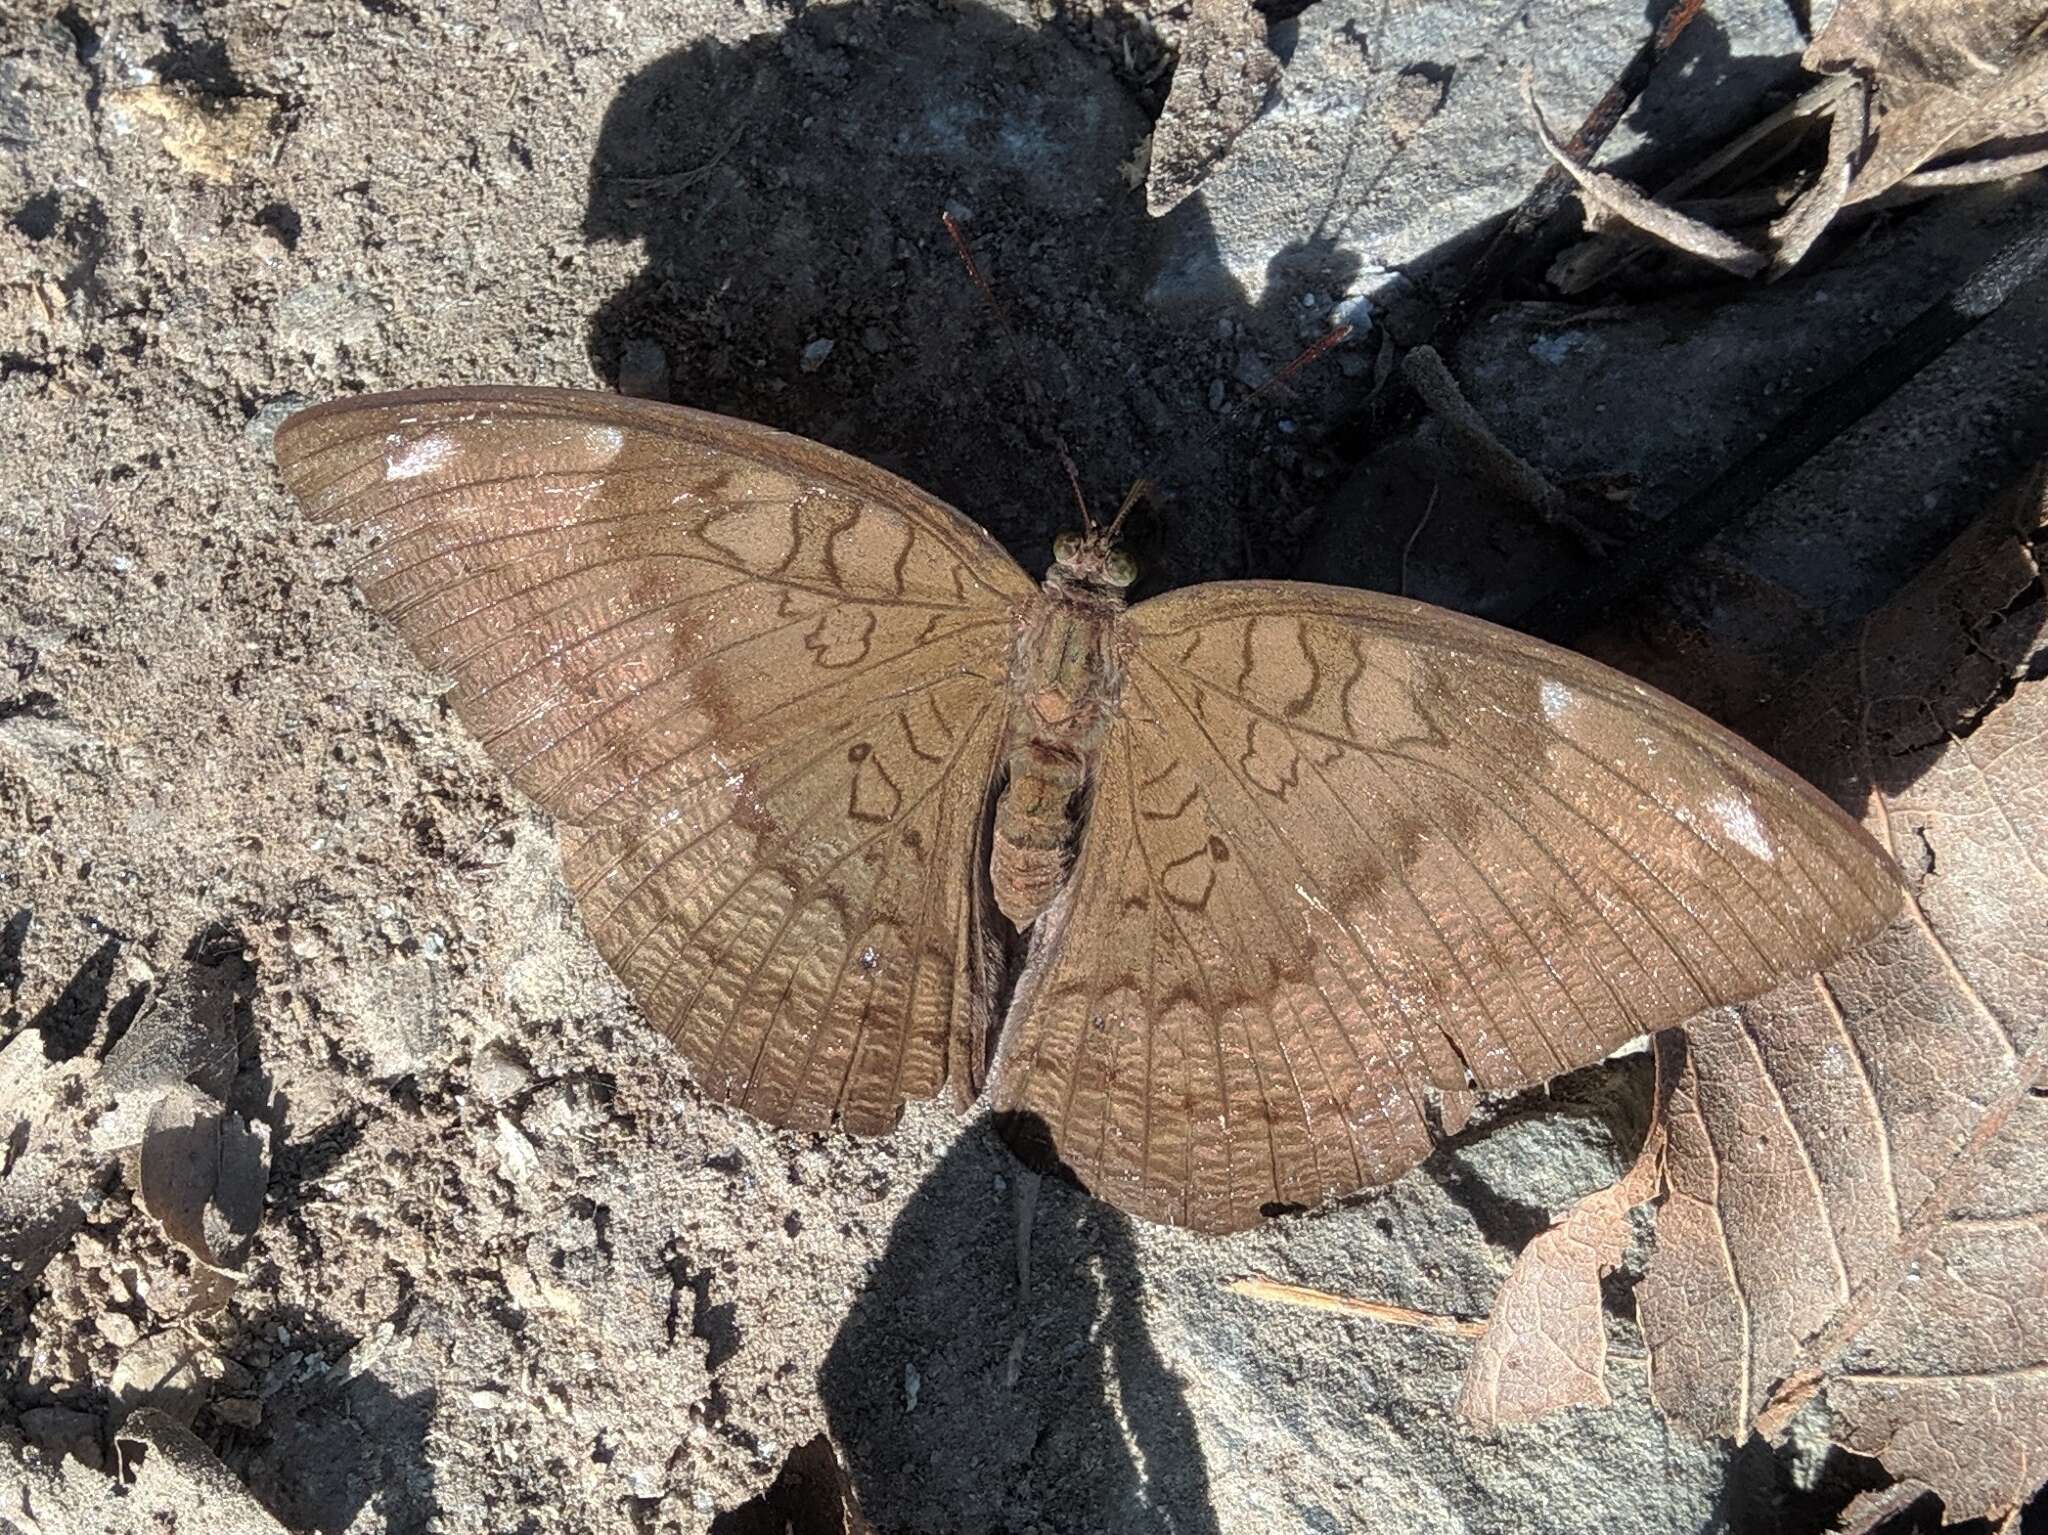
1353 849
758 680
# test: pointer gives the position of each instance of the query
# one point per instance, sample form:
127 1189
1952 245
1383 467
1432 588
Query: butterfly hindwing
758 681
1354 849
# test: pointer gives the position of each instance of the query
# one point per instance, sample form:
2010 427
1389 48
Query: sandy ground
512 1273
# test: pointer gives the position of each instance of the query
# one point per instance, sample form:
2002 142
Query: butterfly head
1093 558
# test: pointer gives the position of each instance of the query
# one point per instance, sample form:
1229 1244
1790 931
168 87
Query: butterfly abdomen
1034 830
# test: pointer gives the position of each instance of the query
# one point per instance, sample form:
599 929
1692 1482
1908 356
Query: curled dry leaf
1545 1345
203 1172
1858 1166
1610 200
1918 95
1948 79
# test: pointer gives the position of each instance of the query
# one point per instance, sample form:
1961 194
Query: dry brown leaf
1220 83
1948 79
203 1172
1545 1345
1609 199
1857 1168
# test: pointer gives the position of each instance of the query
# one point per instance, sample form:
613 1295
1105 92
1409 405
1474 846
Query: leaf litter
1854 1169
1917 95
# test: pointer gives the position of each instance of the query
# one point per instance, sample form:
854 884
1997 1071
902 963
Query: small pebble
238 1411
498 1073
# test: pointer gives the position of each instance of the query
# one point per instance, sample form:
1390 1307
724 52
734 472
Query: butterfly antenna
1139 491
1335 337
1031 389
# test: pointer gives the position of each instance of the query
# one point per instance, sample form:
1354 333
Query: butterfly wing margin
759 678
1356 849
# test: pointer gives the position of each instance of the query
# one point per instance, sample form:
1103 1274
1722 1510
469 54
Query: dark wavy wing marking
762 679
1352 849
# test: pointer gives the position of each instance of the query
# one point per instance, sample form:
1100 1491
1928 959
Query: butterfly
1288 860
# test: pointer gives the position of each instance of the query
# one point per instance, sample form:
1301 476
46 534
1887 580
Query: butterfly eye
1066 548
1119 569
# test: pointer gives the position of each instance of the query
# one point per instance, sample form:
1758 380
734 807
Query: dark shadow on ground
327 1449
1049 1410
731 164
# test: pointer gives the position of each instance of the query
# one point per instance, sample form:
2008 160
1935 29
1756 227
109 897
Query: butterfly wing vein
758 683
1357 852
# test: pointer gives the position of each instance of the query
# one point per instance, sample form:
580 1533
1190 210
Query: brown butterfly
1291 857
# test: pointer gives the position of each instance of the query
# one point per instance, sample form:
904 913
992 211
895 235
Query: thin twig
1259 1287
1421 522
1493 459
1548 195
680 181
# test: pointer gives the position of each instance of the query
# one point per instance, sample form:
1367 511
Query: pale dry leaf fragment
217 138
1221 81
1793 233
532 1291
1545 1344
1259 1287
202 1174
1610 198
517 1158
1947 80
168 1371
1857 1169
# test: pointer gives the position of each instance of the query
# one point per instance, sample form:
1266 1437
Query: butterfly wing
759 681
1343 849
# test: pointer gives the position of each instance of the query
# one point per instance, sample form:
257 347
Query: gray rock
1398 130
60 1431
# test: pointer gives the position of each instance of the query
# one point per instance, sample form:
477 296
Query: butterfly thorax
1065 677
